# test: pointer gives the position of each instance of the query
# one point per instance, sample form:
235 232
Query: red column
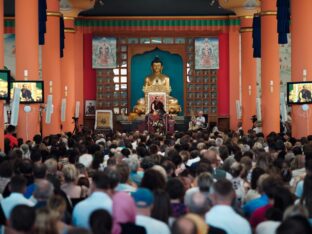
249 68
79 73
26 29
1 66
68 73
89 74
223 76
51 67
301 58
270 68
234 74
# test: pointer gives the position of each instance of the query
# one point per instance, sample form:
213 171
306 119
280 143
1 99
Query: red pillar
79 84
270 68
68 73
234 74
27 50
51 67
249 68
301 58
223 76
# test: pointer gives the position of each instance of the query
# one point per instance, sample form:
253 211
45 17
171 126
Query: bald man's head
184 225
199 204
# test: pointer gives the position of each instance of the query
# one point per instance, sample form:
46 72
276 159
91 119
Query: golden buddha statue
157 82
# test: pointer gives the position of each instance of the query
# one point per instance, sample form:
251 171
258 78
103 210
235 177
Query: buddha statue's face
157 67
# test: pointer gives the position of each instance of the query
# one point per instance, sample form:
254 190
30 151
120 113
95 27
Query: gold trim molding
246 17
54 13
69 30
268 13
69 18
245 29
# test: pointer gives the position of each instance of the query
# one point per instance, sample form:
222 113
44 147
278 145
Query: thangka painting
206 53
103 52
103 119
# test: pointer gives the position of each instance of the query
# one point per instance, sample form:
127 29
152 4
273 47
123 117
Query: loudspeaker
258 106
49 109
238 109
15 106
5 114
283 108
77 109
63 110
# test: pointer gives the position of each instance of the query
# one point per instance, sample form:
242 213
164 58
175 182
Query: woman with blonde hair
70 187
46 222
57 204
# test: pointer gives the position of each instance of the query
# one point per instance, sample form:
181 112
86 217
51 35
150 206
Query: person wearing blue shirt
254 204
267 186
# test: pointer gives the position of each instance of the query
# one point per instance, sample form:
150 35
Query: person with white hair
198 122
25 150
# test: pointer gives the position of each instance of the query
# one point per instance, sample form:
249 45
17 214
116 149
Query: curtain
283 20
42 11
62 37
256 36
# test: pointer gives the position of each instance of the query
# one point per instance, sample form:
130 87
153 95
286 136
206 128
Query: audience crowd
196 182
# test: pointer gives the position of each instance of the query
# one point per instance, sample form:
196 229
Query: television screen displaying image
4 84
299 92
31 91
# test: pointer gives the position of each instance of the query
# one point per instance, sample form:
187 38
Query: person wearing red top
9 135
259 215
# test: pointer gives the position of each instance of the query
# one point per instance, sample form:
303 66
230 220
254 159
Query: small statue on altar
157 82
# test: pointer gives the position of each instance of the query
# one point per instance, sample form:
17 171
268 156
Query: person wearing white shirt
18 187
222 215
99 199
198 122
144 200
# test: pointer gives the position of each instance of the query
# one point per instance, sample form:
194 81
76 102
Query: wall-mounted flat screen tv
299 92
4 84
32 91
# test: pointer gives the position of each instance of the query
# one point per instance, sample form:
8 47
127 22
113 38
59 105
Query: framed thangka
103 119
103 52
206 53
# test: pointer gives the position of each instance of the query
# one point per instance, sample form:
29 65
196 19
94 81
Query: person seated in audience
144 200
222 215
124 214
184 225
198 122
10 136
22 220
70 186
17 187
164 167
57 204
43 191
103 188
101 222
